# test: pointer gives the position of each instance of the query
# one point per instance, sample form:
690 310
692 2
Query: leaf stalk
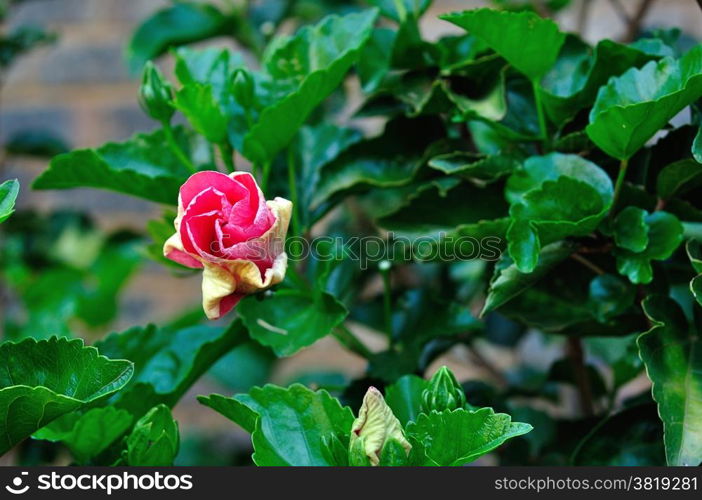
175 148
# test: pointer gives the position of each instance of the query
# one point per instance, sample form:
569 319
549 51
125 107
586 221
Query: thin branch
487 365
582 377
584 14
635 23
542 9
587 263
620 10
349 340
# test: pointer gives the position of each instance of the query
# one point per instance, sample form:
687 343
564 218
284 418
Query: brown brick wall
80 88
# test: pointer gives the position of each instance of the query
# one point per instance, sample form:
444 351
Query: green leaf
631 108
528 42
655 46
404 397
673 358
696 288
631 230
159 231
289 320
697 146
196 101
553 197
610 296
290 424
386 201
664 233
87 435
509 281
179 24
107 276
539 169
142 166
694 253
375 59
315 60
492 104
393 454
211 66
245 366
391 159
155 439
20 40
43 380
90 272
316 147
678 178
524 244
167 362
36 142
418 319
632 437
454 438
480 168
575 142
579 72
398 11
543 434
233 408
8 195
443 212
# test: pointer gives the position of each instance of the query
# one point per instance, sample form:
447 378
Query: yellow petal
375 425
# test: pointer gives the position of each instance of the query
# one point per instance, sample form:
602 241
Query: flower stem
175 148
618 185
692 230
292 184
265 175
227 155
349 340
540 112
384 268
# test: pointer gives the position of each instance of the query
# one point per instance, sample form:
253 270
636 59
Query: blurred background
75 91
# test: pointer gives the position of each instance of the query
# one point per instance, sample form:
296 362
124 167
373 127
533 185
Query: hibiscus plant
509 200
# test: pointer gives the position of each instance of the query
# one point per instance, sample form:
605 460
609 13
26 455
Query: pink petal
250 217
197 227
228 303
200 181
198 234
184 259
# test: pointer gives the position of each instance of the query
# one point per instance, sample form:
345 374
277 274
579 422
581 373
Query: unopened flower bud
243 87
154 440
443 392
155 94
374 429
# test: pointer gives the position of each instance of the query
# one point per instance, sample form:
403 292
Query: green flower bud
243 87
154 440
155 94
375 427
443 392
